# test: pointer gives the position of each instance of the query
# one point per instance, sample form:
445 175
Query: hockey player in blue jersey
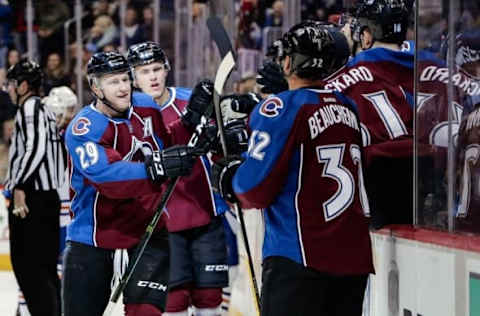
304 169
121 154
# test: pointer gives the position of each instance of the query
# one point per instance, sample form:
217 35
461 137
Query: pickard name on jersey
303 167
113 199
379 82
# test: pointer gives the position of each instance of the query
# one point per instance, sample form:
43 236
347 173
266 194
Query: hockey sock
178 299
142 309
206 298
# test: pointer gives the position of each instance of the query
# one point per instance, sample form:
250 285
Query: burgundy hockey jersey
379 82
304 168
192 203
113 200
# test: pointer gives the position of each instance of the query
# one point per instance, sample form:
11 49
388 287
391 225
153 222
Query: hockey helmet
61 101
386 19
467 51
105 63
26 70
146 53
317 49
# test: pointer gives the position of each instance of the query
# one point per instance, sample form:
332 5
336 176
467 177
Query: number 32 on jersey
332 157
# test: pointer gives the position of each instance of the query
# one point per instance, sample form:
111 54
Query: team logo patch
81 126
271 107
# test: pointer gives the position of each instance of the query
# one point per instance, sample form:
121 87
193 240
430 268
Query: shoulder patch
81 126
271 107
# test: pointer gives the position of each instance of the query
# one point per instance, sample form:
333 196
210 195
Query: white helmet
61 101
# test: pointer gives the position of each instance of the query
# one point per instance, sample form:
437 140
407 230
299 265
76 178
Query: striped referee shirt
36 156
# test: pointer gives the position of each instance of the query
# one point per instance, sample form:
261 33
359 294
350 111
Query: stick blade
219 35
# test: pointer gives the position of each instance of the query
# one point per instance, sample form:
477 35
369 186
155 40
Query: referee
36 167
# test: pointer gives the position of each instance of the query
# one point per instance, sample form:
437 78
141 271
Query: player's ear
95 88
366 39
286 65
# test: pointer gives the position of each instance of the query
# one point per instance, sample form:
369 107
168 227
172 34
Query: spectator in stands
51 15
249 32
13 57
103 32
100 7
110 48
134 31
55 75
274 16
147 14
5 25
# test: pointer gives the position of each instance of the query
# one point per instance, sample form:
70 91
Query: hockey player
120 156
379 80
467 60
304 168
197 242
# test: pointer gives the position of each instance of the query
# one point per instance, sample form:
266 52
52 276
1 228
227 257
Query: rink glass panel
447 90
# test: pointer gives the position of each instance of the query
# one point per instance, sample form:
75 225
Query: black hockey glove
200 103
240 103
175 161
270 76
236 136
222 175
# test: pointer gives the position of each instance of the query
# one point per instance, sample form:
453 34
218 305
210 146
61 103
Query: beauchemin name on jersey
303 167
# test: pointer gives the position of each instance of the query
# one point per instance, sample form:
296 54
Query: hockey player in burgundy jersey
119 157
304 169
467 59
379 81
198 258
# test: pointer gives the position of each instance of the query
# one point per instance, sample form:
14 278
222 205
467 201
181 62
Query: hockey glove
270 76
175 161
200 103
239 104
222 176
236 136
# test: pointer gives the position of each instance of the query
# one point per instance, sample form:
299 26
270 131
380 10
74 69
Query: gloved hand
175 161
200 103
270 76
222 175
236 137
238 104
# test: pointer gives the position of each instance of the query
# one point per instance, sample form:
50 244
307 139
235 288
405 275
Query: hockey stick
221 39
150 228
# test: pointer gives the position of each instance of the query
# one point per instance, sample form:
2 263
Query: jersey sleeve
264 172
35 142
102 165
